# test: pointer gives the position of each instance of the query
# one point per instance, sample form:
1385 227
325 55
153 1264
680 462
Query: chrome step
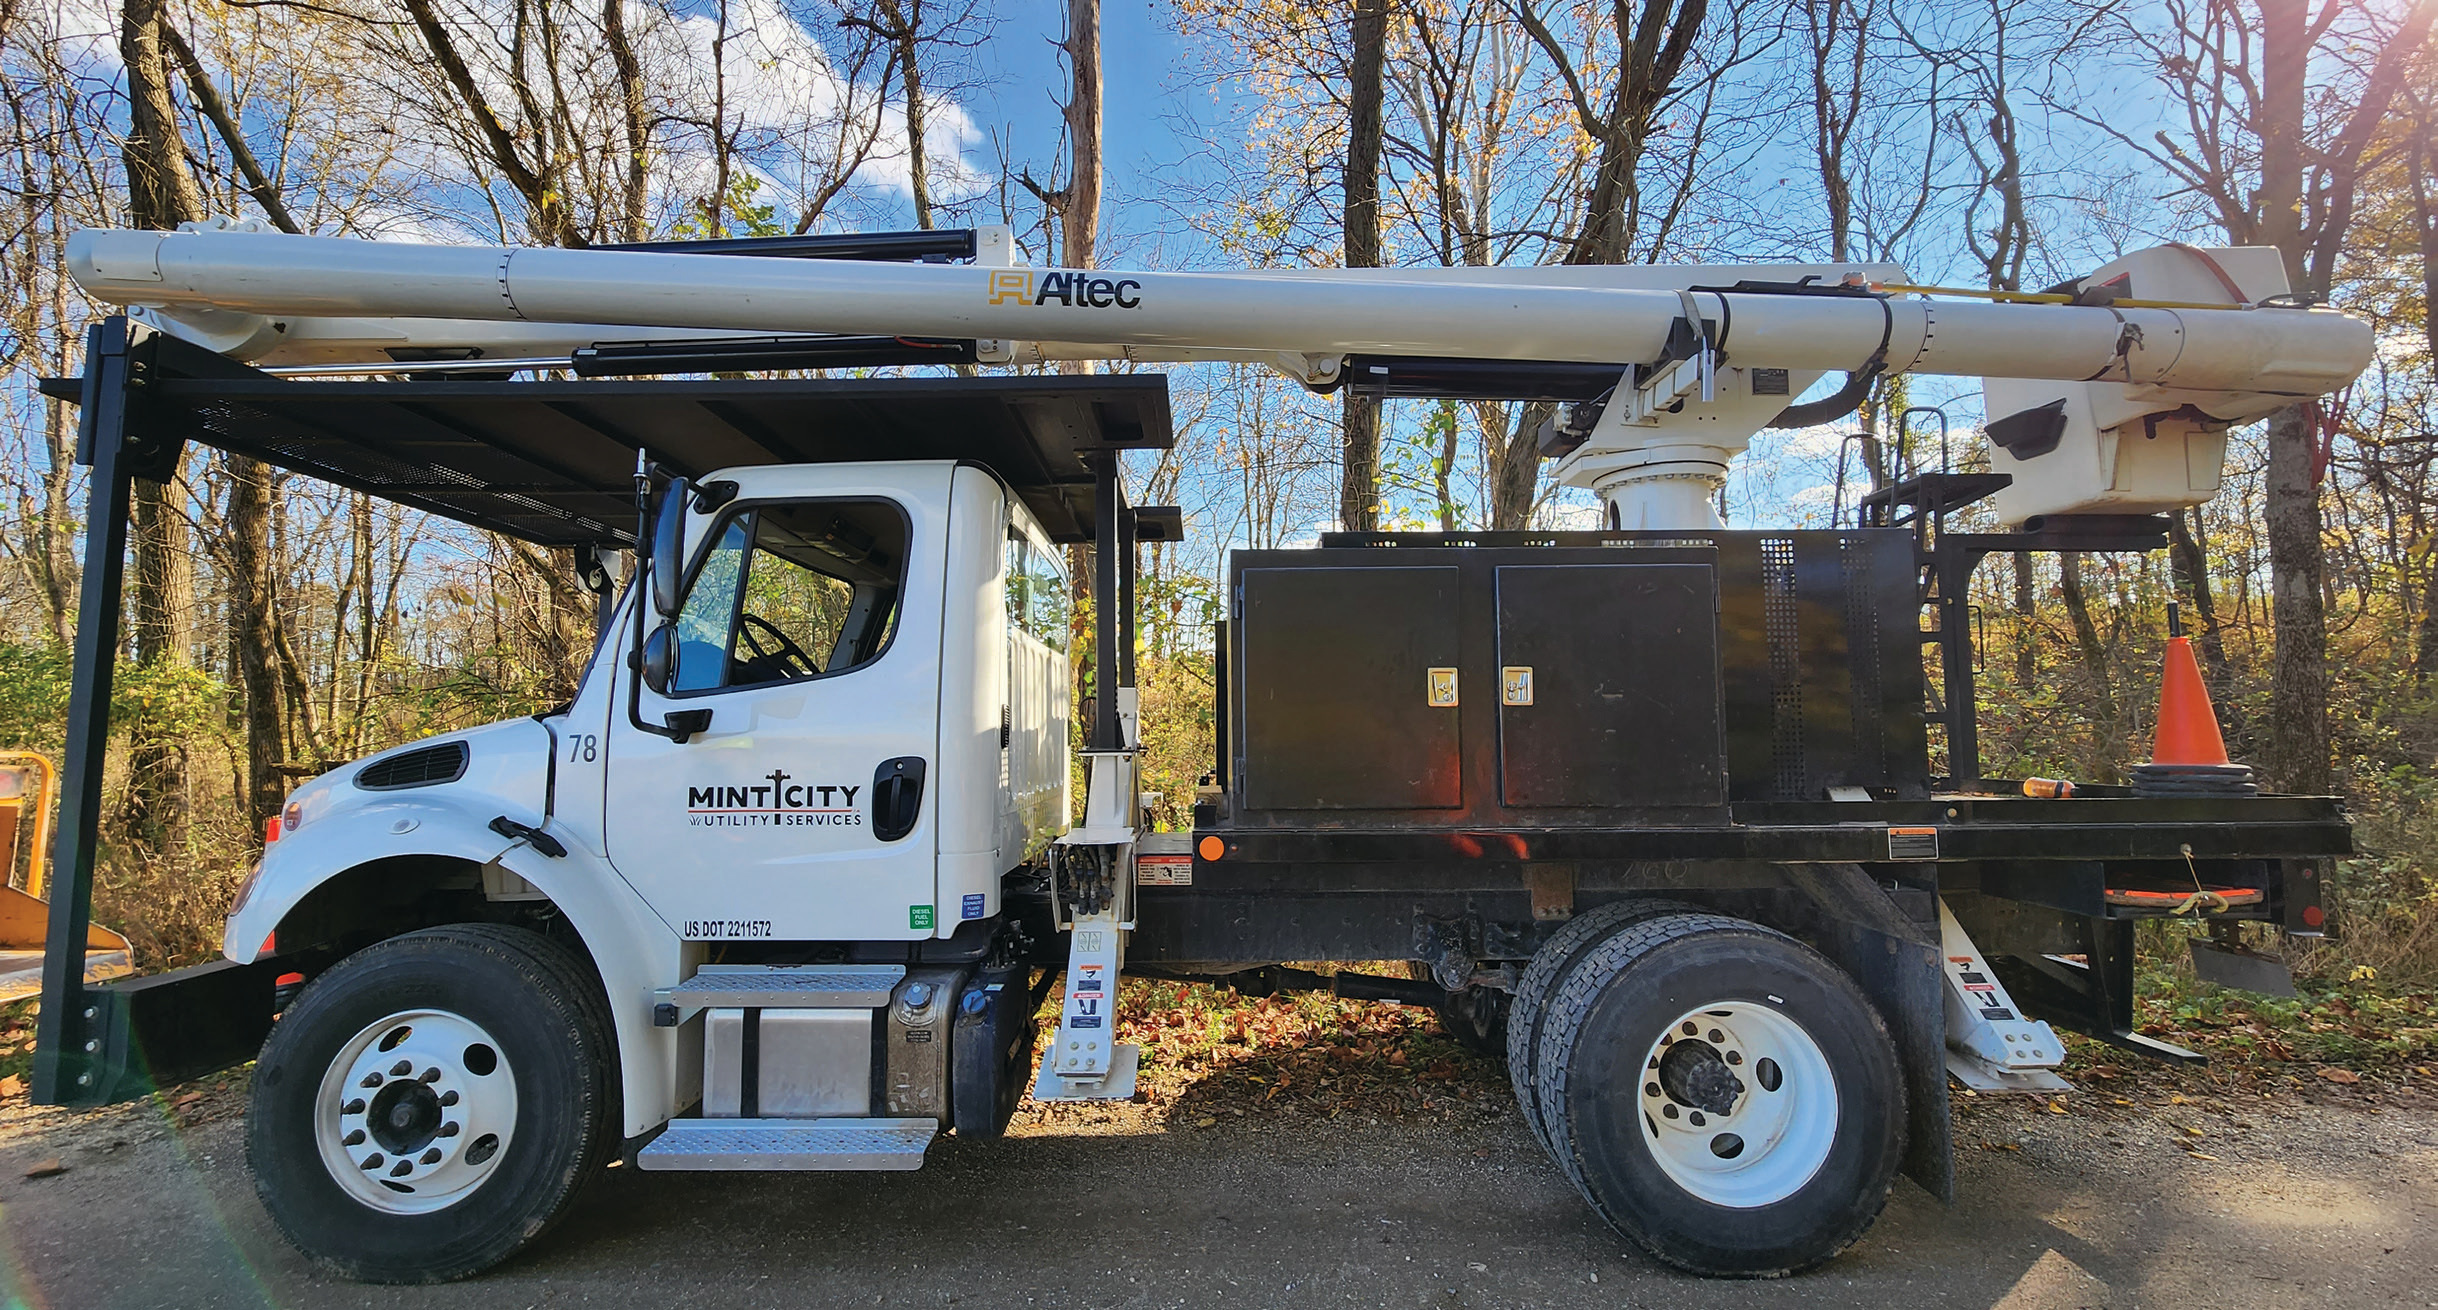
810 1144
820 986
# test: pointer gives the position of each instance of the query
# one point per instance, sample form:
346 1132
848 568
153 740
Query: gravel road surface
2112 1204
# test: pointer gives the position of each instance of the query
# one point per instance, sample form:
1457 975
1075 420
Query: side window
1036 591
792 591
1049 599
1019 581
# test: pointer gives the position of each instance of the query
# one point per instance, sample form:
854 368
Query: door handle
897 796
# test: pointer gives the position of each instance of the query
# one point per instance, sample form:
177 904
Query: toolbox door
1350 689
1609 686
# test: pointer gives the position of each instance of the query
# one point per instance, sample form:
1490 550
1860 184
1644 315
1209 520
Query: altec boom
1687 341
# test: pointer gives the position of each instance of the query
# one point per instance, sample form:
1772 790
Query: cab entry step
824 986
807 1144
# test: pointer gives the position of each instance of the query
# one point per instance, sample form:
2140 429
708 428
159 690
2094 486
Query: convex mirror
660 659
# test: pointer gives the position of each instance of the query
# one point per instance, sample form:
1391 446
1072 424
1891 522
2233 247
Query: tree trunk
1359 479
1078 205
2027 645
634 122
2192 578
161 602
1079 215
2285 53
2108 731
2298 715
906 23
2425 233
1514 458
161 190
252 617
161 194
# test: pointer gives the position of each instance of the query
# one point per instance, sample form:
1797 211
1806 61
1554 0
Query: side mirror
660 659
668 548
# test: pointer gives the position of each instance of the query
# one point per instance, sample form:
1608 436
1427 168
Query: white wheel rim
415 1111
1713 1118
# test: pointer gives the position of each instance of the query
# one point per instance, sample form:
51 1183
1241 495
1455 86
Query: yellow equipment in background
27 787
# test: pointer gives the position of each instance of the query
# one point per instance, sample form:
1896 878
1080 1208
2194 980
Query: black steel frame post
1108 509
66 1037
1953 568
2093 997
1126 548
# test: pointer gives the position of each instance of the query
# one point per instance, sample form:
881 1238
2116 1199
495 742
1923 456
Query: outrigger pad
2244 970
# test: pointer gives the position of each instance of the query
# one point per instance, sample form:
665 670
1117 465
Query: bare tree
1645 52
1359 481
2271 165
161 193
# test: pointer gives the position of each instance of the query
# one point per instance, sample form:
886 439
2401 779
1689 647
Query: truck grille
427 767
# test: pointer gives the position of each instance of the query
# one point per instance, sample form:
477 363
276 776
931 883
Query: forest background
277 626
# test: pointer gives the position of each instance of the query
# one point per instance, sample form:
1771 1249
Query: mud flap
1895 961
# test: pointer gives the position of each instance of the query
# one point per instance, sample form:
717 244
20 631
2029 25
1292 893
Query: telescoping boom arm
1704 357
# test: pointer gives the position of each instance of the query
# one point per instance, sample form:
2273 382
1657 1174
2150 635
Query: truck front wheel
430 1105
1722 1094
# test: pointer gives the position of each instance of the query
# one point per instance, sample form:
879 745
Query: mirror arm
681 724
677 725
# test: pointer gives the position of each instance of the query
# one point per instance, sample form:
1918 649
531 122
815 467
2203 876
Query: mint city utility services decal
778 803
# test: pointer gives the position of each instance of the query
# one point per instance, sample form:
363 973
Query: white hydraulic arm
1707 355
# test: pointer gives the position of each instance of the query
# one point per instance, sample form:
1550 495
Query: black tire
1611 1010
535 998
1549 964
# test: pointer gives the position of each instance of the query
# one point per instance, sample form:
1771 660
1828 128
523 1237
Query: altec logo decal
778 803
1025 286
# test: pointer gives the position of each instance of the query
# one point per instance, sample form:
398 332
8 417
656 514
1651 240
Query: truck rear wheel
431 1104
1721 1094
1541 977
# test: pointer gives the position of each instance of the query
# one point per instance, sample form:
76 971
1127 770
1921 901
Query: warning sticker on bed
1164 870
1913 843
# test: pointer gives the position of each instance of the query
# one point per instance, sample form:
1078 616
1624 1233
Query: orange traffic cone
2188 725
2188 756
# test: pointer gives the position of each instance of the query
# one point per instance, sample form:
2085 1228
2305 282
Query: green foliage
34 681
2349 1016
167 701
739 215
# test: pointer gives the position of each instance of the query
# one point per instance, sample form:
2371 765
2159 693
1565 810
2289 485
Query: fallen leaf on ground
2200 1155
50 1168
1206 1122
2335 1075
12 1086
2191 1131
